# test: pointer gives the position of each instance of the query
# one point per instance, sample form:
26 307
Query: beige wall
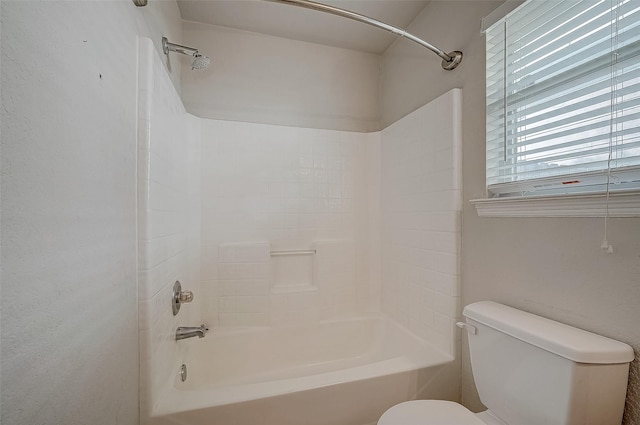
552 267
69 278
271 80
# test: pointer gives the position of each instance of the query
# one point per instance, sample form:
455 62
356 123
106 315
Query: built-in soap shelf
292 270
294 252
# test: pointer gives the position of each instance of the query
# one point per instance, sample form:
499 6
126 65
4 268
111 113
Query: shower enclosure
325 263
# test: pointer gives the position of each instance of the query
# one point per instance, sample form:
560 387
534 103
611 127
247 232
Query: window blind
563 98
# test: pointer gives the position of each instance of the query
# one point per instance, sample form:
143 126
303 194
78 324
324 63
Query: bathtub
345 372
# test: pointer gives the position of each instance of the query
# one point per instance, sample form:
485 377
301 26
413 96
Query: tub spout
185 332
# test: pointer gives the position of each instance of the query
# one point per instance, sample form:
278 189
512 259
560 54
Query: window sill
621 204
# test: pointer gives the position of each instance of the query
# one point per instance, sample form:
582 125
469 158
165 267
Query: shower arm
167 47
449 60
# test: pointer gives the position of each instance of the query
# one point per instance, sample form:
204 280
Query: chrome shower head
199 61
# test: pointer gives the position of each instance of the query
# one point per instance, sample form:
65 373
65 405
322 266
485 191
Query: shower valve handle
186 296
179 297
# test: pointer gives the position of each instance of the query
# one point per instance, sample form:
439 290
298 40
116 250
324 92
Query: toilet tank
533 371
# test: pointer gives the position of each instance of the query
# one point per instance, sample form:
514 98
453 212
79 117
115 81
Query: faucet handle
186 296
179 297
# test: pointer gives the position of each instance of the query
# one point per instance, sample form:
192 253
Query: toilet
531 371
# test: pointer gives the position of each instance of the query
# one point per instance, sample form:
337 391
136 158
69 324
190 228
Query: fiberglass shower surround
285 233
218 198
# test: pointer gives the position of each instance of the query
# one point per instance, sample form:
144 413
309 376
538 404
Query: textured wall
68 278
551 267
69 320
271 80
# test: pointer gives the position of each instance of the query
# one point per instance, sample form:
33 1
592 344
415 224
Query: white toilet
531 371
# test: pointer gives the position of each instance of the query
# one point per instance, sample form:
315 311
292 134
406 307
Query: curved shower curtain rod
449 60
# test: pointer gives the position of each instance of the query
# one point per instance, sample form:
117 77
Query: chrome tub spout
185 332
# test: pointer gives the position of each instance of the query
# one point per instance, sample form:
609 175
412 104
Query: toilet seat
429 412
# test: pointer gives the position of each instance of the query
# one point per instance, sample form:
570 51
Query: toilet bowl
429 412
530 371
435 412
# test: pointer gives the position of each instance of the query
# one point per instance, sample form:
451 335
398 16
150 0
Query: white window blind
563 98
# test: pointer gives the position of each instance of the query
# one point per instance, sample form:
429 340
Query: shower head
199 61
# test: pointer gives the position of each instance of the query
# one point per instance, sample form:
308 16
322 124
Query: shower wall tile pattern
168 222
244 284
381 211
335 268
421 220
288 189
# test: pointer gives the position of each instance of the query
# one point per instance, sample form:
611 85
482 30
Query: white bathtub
335 373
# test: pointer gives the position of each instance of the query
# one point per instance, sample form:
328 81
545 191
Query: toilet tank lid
572 343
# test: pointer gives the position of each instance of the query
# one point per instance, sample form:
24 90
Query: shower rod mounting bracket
456 58
450 61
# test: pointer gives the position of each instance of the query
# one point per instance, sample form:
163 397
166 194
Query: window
563 98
